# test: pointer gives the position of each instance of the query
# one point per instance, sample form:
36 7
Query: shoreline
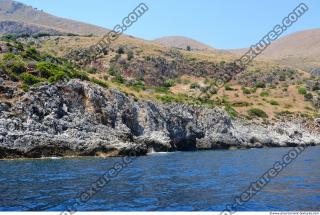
145 155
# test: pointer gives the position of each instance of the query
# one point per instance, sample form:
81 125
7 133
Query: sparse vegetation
156 74
169 83
130 55
302 91
112 71
260 84
194 86
29 79
99 82
120 50
228 87
246 90
256 112
118 78
264 94
232 112
92 70
273 102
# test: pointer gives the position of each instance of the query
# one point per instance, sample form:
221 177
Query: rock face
80 118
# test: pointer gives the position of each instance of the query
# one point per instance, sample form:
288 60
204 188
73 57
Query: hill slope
183 42
300 49
20 13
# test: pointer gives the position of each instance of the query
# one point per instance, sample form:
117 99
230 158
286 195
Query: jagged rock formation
81 118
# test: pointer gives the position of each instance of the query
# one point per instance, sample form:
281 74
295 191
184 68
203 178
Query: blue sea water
179 181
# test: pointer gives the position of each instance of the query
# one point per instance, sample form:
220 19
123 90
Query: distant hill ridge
29 16
300 49
183 43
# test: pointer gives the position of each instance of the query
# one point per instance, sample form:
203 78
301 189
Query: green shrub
9 37
19 46
30 79
130 55
120 50
138 85
246 90
41 34
118 79
99 82
273 102
166 98
264 94
194 86
9 56
14 64
92 70
18 67
302 91
232 112
260 84
25 87
79 74
112 71
56 77
31 53
228 87
47 69
169 83
180 98
256 112
254 90
161 89
241 104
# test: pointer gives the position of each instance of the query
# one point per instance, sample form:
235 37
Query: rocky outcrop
78 118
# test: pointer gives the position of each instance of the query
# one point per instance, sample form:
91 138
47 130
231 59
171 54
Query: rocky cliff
79 118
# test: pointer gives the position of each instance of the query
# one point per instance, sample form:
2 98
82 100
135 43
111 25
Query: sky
223 24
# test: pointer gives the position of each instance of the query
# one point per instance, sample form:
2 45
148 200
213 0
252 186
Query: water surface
187 181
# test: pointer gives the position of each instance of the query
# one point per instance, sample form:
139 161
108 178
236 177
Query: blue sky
220 23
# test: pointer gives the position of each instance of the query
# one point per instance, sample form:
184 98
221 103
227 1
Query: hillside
59 99
148 70
300 49
13 27
27 15
183 43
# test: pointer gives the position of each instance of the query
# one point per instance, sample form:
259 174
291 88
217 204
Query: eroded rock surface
80 118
